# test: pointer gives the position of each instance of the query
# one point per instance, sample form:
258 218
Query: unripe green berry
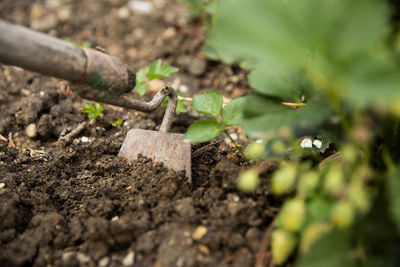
308 182
312 233
284 179
342 214
334 179
248 181
254 151
349 153
293 214
358 196
279 147
283 244
395 108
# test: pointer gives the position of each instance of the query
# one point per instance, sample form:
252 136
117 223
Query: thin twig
144 106
3 138
294 105
204 147
188 99
10 140
78 129
262 256
236 146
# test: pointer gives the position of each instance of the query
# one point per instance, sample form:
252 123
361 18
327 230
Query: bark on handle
91 70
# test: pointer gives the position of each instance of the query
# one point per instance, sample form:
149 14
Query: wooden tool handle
100 74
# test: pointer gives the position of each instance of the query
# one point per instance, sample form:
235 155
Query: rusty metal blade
167 148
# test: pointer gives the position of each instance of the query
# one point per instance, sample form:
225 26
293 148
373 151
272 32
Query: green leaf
141 85
208 103
290 38
232 113
69 40
116 123
167 70
88 108
140 88
85 44
332 250
319 209
392 184
203 131
157 70
99 108
180 108
154 69
141 75
263 115
93 111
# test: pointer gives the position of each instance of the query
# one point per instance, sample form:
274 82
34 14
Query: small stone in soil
129 259
197 66
31 130
204 249
183 88
103 262
2 185
64 13
123 13
199 232
141 7
82 258
44 23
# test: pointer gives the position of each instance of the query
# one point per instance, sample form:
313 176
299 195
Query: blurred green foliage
327 69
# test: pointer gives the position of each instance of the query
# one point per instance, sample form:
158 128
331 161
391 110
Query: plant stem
236 146
189 99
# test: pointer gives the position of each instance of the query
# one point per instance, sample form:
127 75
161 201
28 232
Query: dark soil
76 203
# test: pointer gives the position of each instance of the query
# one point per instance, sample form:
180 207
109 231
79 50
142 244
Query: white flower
317 143
306 143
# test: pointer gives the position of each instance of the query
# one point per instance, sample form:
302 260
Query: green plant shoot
116 123
156 70
212 104
93 111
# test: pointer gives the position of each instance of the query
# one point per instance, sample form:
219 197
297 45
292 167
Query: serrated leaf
332 250
232 113
208 103
140 88
203 131
392 184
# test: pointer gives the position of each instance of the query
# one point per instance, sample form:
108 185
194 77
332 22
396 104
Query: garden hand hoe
99 77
